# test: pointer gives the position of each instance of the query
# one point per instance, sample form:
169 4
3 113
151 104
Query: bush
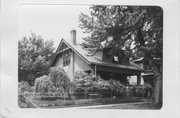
55 83
43 85
142 90
24 87
60 79
23 103
90 84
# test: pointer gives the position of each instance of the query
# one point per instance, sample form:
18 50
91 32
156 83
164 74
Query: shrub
23 90
43 85
79 75
24 87
60 79
23 103
141 90
55 83
90 84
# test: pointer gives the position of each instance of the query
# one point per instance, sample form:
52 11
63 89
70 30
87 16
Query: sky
52 22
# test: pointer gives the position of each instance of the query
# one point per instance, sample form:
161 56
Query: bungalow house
72 57
147 75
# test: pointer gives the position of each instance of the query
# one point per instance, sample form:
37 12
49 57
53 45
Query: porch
117 73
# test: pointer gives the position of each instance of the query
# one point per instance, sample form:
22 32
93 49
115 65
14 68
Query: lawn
61 103
101 103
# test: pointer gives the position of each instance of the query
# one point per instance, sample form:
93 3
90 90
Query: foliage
24 87
114 28
55 83
34 54
127 32
143 90
23 103
44 85
86 84
60 79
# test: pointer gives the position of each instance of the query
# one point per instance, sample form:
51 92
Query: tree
60 79
34 54
56 82
128 32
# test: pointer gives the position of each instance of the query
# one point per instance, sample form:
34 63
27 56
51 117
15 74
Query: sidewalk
110 105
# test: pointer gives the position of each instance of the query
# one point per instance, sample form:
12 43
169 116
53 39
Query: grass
117 103
56 102
61 103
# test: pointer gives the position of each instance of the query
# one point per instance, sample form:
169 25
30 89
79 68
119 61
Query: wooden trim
95 70
73 64
70 47
77 53
118 70
54 57
63 50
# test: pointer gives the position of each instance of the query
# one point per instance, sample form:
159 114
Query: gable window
66 60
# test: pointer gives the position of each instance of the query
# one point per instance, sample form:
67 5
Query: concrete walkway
109 105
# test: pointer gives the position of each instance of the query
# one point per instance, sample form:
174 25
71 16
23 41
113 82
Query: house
72 57
147 75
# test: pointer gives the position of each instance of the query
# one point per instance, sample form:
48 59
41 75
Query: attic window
66 60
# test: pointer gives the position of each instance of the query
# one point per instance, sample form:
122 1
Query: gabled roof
91 59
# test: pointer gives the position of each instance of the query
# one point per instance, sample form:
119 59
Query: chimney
73 36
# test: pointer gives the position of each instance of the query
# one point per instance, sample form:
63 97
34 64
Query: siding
67 69
133 80
80 64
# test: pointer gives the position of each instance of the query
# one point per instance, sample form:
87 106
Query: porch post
138 79
95 70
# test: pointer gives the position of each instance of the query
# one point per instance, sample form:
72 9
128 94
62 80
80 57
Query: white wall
67 69
133 80
80 64
59 62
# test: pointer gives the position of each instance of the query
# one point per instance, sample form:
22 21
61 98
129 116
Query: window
88 72
66 60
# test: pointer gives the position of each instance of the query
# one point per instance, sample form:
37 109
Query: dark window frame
66 61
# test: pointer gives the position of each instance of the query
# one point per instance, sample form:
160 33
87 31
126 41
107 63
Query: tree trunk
157 92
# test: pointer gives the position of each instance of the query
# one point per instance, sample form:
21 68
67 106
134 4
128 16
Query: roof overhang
117 69
56 53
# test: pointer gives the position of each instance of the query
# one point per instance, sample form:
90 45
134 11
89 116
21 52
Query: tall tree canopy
34 54
135 30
